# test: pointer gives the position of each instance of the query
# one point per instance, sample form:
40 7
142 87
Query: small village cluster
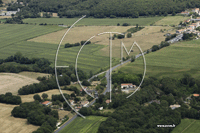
192 27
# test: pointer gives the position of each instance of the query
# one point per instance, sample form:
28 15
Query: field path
188 126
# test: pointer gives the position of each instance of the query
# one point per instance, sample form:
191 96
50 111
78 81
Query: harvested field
29 98
11 124
78 34
10 82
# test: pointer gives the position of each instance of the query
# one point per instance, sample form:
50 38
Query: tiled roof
46 102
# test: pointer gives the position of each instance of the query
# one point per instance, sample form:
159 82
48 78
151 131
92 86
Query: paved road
176 39
58 130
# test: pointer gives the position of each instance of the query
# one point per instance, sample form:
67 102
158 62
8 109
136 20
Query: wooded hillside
103 8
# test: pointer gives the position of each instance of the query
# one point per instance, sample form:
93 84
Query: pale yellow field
11 124
10 82
171 20
29 98
78 34
5 17
145 38
34 75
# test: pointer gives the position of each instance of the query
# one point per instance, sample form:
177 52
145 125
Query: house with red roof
46 103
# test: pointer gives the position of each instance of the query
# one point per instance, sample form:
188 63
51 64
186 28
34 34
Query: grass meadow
80 125
179 58
94 21
14 38
187 126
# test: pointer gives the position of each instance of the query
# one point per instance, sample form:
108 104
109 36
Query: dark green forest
102 8
138 115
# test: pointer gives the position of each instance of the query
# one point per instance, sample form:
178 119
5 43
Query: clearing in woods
80 125
10 124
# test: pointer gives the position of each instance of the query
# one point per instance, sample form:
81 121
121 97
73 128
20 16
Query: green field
13 38
80 125
174 60
94 21
188 126
88 59
10 34
171 20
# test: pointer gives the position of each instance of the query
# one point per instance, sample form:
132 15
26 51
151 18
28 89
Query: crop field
187 126
96 22
10 124
171 20
29 98
80 125
10 34
10 82
78 34
145 38
179 58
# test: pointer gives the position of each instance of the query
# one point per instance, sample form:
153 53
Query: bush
155 48
125 24
112 16
129 35
85 83
120 36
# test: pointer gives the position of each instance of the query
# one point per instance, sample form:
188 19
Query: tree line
10 99
103 8
37 114
44 85
67 45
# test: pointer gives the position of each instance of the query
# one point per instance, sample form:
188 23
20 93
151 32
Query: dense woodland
137 115
102 8
133 115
